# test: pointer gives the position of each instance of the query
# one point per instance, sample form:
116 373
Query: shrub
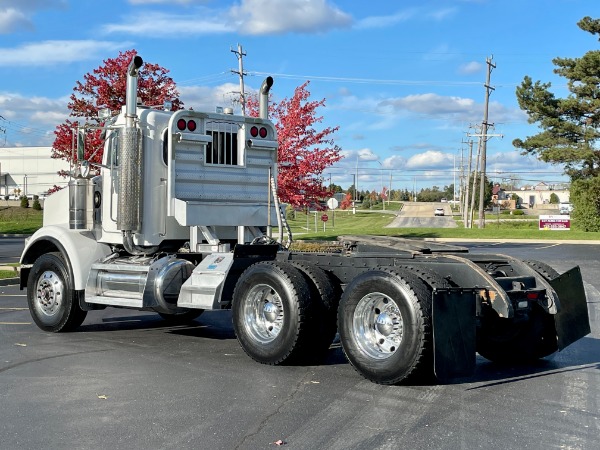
36 203
586 201
517 212
554 200
24 202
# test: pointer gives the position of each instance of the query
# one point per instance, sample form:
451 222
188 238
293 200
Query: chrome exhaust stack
129 211
263 102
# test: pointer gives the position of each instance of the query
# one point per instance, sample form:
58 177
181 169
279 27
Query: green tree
570 126
554 200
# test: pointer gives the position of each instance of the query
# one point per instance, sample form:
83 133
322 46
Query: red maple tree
347 202
304 152
105 88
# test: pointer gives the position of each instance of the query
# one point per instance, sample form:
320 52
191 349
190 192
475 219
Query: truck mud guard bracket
453 314
572 321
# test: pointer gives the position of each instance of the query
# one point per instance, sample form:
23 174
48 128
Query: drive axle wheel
52 300
272 313
385 325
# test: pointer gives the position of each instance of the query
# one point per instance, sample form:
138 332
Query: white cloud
433 104
363 154
58 52
394 162
430 159
33 5
249 17
15 15
385 21
13 20
470 68
259 17
170 2
31 120
204 98
170 25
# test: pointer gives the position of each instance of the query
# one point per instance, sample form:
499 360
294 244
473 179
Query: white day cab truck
180 220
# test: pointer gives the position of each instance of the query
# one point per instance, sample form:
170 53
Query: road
420 215
124 380
10 249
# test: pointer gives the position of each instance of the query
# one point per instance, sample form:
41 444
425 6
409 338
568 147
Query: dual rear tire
286 313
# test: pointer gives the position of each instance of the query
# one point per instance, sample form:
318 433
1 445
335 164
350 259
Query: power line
370 80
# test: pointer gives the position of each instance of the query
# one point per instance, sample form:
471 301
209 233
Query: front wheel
52 301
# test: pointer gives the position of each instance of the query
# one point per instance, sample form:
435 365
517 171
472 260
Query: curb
9 282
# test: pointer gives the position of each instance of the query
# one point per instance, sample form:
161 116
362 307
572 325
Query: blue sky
402 79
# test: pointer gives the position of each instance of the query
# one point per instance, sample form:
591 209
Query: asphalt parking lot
125 379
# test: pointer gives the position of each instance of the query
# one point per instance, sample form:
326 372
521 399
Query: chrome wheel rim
263 313
49 292
377 325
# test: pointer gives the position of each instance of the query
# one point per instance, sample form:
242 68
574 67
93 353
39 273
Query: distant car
565 208
438 212
444 200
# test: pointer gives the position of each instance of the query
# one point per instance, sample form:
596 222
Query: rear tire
384 323
272 313
325 298
52 300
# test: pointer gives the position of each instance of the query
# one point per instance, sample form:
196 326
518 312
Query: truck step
115 301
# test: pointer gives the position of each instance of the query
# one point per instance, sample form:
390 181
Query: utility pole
466 196
240 56
484 129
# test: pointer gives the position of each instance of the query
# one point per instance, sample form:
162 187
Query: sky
404 80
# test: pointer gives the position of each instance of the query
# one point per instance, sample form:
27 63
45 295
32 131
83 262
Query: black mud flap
572 321
453 333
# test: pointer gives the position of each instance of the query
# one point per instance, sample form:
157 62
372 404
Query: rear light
532 295
263 132
181 124
191 125
254 131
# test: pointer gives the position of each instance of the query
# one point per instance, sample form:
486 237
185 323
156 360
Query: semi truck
183 216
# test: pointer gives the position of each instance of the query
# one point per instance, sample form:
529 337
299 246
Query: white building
30 170
539 195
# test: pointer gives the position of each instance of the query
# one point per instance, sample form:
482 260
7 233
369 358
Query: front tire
385 325
52 300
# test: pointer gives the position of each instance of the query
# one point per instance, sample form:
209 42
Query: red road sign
324 217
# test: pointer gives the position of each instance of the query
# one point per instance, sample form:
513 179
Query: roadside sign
332 203
560 223
324 217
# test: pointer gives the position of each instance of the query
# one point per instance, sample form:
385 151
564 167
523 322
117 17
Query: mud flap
453 312
572 321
